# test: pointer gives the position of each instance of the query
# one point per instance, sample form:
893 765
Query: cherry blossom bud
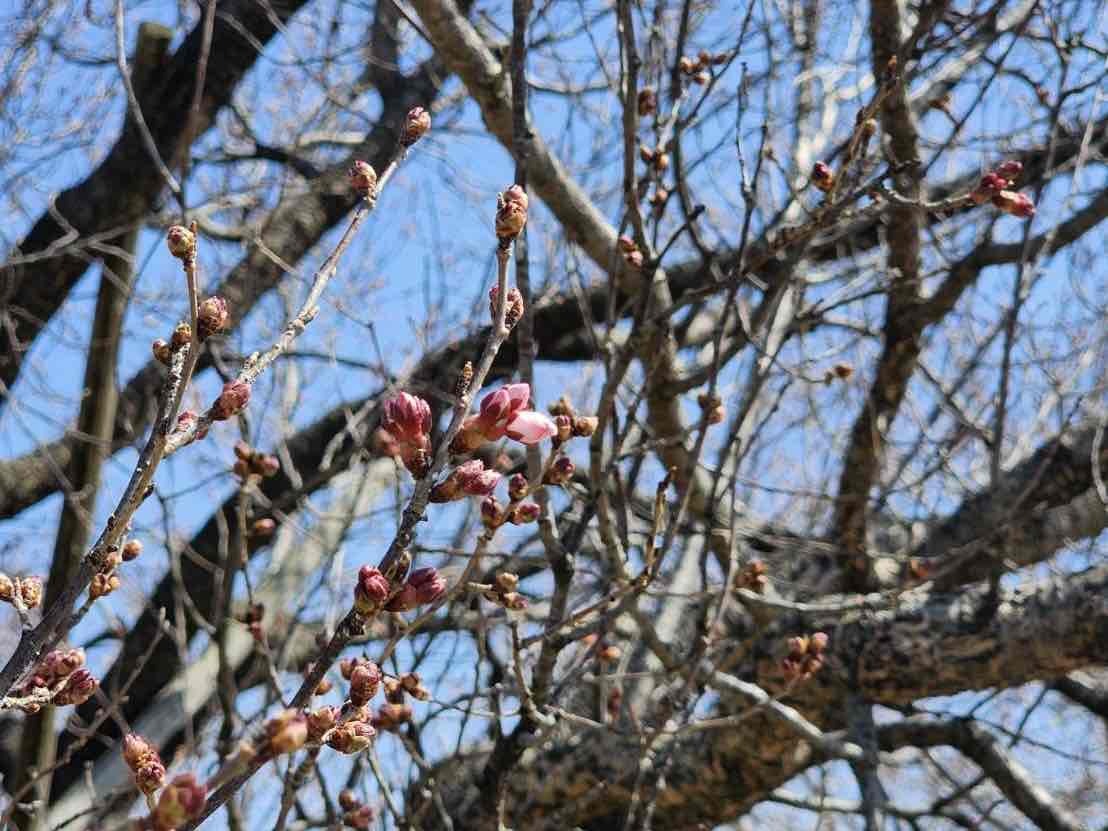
131 550
585 426
627 245
468 479
991 184
102 585
372 590
524 513
30 591
407 417
320 721
661 160
511 214
348 800
185 422
513 601
352 737
413 686
648 101
150 774
391 716
687 65
634 259
181 801
404 600
360 818
565 428
469 437
287 731
428 584
822 177
561 471
518 487
531 427
181 337
78 689
819 640
394 691
1009 170
495 407
163 354
135 747
507 581
1015 204
233 400
363 179
182 243
416 125
211 318
492 512
7 588
646 154
513 311
365 678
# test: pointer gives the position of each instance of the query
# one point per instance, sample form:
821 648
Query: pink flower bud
233 400
287 731
30 591
468 479
407 418
585 426
492 512
320 721
513 309
531 427
990 185
1009 170
359 818
352 737
365 678
818 641
518 487
565 427
363 179
822 177
135 747
511 214
391 716
429 585
182 800
561 471
212 317
1015 204
470 437
416 125
78 689
524 513
372 590
181 242
150 774
404 600
186 420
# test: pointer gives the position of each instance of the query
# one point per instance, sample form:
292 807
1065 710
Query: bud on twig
372 590
287 732
416 125
182 243
211 318
513 311
468 479
365 678
648 101
232 400
511 214
363 179
822 177
182 800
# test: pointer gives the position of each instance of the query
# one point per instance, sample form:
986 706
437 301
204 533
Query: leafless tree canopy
677 414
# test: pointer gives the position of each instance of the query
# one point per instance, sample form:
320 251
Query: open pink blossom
530 427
